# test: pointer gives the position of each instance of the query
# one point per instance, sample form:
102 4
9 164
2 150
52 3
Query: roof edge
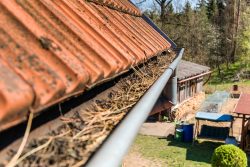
152 24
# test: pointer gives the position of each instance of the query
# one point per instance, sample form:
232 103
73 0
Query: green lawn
178 154
175 154
227 74
225 80
212 87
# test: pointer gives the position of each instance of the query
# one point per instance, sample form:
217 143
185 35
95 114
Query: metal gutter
116 146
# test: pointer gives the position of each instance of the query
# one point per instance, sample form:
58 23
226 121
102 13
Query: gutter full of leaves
81 135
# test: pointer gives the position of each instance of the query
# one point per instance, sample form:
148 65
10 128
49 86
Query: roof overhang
194 77
243 105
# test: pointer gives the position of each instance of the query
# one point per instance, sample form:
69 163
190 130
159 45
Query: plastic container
179 134
231 140
235 88
188 132
178 125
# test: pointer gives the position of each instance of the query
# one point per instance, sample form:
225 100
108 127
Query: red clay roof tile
243 105
15 97
52 49
123 6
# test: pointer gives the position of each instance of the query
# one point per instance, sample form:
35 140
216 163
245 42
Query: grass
225 81
212 87
227 74
176 154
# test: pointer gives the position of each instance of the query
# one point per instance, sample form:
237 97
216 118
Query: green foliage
202 3
211 33
187 7
230 73
229 156
244 42
212 9
170 9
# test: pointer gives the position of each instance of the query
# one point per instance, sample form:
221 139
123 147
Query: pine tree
170 9
202 4
163 6
212 10
187 8
187 12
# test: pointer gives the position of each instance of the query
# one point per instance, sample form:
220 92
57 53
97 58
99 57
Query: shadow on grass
200 151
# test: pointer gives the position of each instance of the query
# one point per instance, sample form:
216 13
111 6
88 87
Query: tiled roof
53 49
243 105
188 69
123 6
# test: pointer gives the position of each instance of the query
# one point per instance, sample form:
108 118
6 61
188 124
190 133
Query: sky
178 4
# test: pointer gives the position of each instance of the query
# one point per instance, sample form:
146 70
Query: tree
187 8
202 4
187 11
212 10
243 48
236 31
213 33
170 9
163 8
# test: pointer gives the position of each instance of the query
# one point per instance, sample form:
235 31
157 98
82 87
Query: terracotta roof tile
15 97
243 105
53 49
123 6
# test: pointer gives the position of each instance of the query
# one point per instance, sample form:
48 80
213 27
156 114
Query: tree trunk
162 10
236 32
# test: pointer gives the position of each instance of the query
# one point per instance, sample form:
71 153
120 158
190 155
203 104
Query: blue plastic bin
188 131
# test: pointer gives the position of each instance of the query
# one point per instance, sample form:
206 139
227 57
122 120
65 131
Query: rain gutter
111 153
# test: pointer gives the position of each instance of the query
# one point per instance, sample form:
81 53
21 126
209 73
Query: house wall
189 88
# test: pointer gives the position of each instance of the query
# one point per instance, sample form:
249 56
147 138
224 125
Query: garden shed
189 81
243 112
190 77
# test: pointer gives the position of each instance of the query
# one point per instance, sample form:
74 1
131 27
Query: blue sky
178 4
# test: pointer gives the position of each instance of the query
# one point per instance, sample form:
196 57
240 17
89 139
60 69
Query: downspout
170 91
117 144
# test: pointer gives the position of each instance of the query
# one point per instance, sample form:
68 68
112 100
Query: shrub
229 156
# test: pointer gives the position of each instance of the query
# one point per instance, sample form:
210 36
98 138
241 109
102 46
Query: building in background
190 78
190 81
